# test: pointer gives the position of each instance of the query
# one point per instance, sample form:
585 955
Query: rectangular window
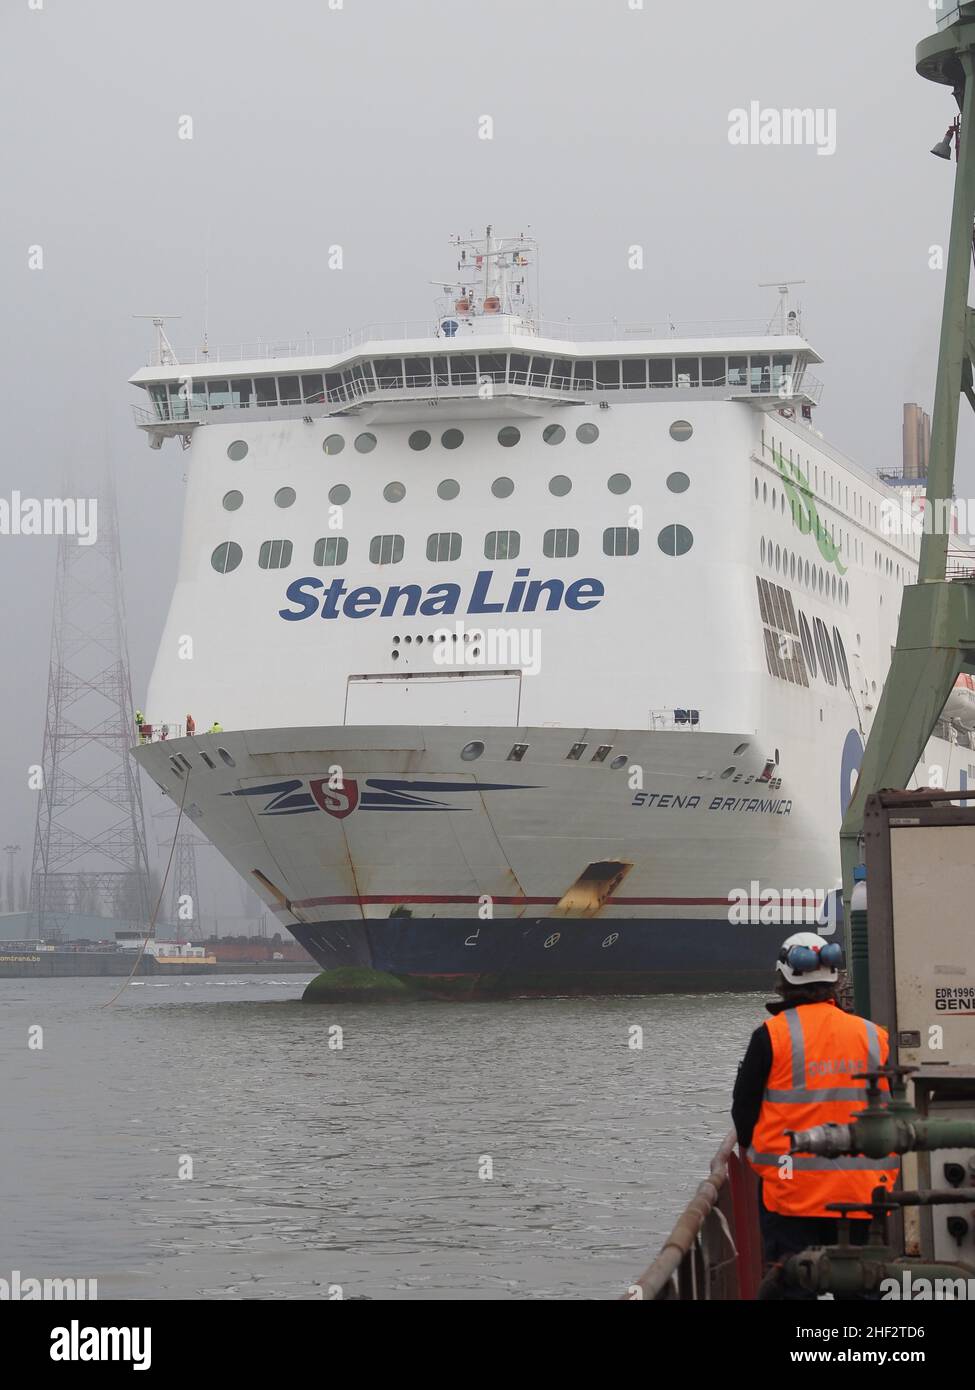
770 660
386 550
274 555
518 369
608 375
688 371
463 371
313 388
561 544
417 370
737 371
242 391
289 391
782 371
441 371
538 373
491 365
389 373
331 550
712 371
634 373
661 371
333 381
267 390
621 540
160 401
561 374
760 369
443 545
502 545
582 376
761 601
218 394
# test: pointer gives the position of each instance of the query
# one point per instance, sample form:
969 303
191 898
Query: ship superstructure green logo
804 513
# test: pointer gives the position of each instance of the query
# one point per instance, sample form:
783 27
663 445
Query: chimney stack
917 442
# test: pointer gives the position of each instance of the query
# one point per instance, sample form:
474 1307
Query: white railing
411 330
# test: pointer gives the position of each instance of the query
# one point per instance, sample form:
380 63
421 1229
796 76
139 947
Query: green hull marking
804 513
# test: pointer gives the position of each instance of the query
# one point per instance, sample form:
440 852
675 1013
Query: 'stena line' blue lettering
523 595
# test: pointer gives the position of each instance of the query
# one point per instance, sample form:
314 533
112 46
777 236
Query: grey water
201 1139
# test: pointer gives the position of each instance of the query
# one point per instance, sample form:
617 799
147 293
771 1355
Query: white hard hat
800 959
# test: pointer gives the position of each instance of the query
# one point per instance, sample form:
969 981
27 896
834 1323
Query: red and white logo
337 801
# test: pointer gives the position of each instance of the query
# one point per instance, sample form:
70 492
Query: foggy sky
358 127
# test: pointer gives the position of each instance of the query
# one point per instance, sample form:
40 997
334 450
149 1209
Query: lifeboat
960 704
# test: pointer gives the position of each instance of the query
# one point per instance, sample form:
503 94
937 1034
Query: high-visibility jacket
816 1049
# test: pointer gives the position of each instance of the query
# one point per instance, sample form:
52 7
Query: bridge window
582 375
661 371
463 371
313 388
274 555
688 371
441 371
492 365
331 550
226 557
737 371
289 391
712 371
634 373
218 394
760 373
540 368
561 544
608 375
417 372
502 545
266 389
443 545
621 540
518 369
386 550
389 373
561 374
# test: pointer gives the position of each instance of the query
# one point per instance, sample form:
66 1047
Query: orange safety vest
816 1049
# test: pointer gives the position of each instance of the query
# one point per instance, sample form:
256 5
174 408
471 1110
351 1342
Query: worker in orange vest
798 1072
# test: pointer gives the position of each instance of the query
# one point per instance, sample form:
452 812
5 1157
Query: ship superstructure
530 644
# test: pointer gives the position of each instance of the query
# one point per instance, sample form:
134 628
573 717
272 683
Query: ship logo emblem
337 801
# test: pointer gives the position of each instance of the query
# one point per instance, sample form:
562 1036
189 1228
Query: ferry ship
526 649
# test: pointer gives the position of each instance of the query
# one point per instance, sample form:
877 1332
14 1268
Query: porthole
365 443
238 450
334 444
226 757
756 488
678 482
448 489
553 434
452 439
226 557
619 762
471 751
284 497
587 434
232 500
502 487
619 483
681 430
742 748
762 549
675 540
394 492
560 485
419 439
728 772
508 436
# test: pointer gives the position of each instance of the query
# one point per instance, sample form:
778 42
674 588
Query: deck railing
714 1251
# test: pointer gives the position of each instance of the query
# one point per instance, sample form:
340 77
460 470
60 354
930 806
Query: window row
560 543
794 651
760 373
801 572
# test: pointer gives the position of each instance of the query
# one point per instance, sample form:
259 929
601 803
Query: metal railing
413 329
714 1251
